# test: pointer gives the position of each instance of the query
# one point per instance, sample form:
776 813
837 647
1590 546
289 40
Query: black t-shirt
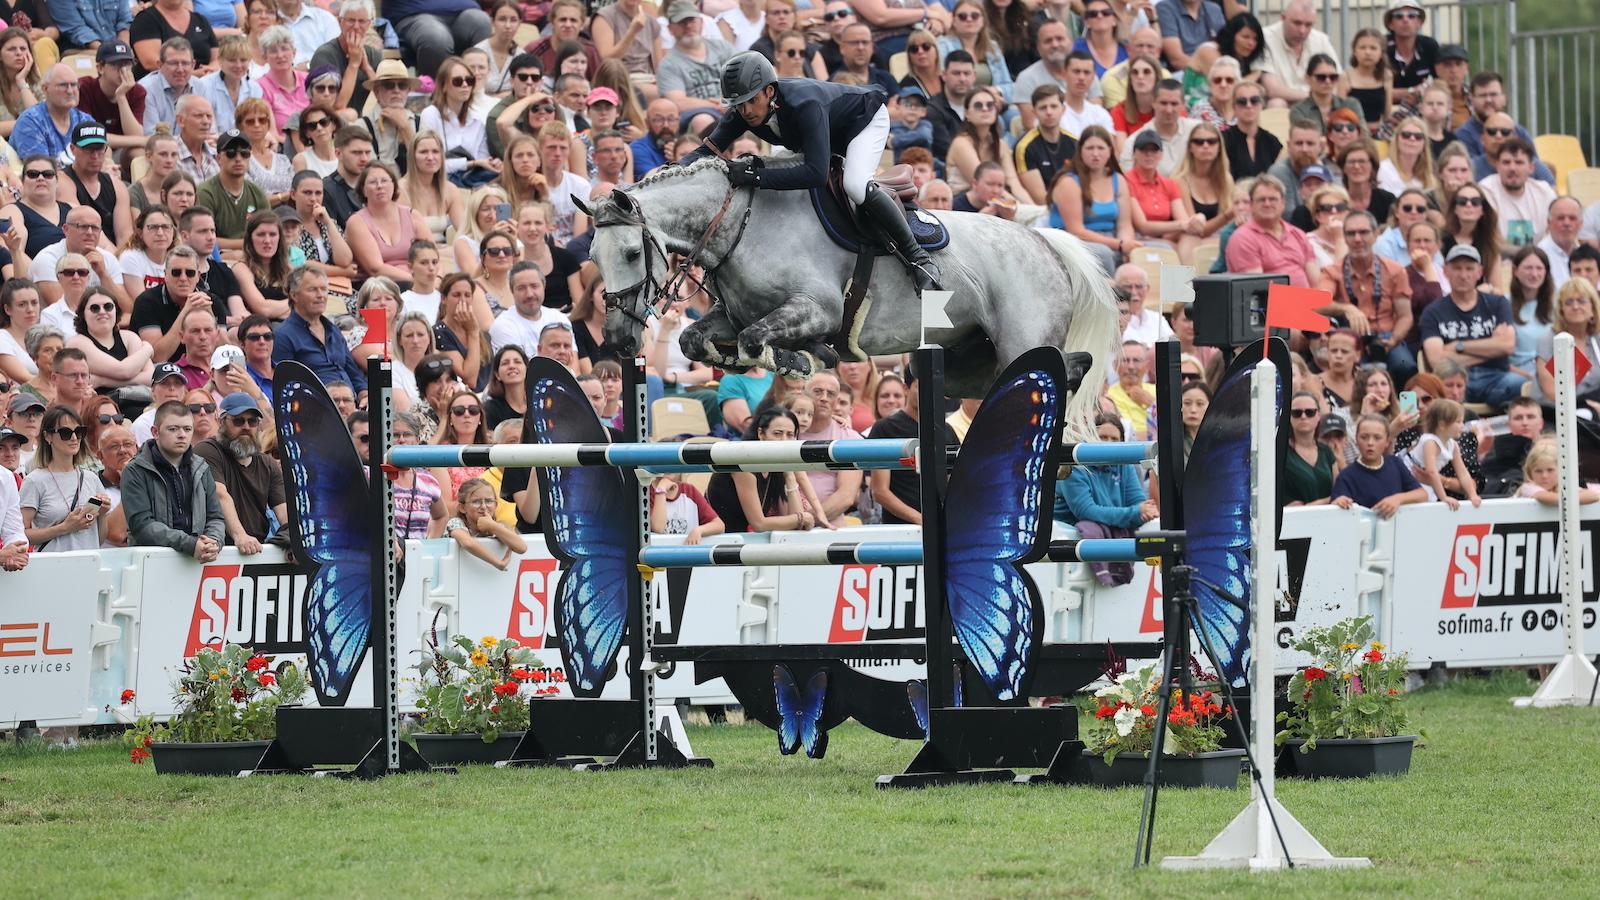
564 263
1424 58
518 478
150 25
218 281
588 349
723 495
152 309
497 410
1379 204
905 484
1047 158
960 203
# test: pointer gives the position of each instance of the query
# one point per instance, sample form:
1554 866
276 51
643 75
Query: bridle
663 292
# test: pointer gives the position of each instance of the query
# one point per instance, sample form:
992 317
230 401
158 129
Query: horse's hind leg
790 339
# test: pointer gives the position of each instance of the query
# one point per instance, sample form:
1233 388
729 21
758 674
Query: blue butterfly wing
800 712
917 693
1216 509
995 503
326 484
587 514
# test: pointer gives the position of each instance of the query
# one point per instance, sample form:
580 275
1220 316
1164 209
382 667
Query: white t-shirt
745 32
59 315
427 304
677 362
1074 123
561 200
10 347
1523 219
511 327
144 427
44 265
138 264
10 510
1147 326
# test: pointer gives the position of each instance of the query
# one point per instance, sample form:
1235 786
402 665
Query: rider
815 119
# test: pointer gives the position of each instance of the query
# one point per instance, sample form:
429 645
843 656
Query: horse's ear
623 201
582 206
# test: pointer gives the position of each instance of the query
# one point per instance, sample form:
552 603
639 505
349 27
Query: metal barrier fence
1552 75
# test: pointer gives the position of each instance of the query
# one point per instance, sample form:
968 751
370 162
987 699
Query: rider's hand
744 170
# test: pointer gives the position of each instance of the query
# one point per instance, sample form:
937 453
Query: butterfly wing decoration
326 484
587 512
800 712
1216 509
917 693
998 498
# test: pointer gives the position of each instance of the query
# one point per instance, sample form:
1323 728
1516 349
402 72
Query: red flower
506 689
267 679
138 755
256 663
238 695
1147 709
495 708
1373 656
521 674
539 675
1315 674
1393 691
127 696
148 740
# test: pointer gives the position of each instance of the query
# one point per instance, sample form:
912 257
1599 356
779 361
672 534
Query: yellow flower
1377 645
1350 647
489 640
480 658
1349 675
214 676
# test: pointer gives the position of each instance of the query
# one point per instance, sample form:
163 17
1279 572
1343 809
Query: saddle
839 220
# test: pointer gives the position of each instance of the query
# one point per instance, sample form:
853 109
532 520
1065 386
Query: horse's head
629 261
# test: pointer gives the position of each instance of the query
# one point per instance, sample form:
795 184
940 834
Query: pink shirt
285 103
1251 247
826 482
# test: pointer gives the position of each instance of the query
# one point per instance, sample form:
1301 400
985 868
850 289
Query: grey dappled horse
779 284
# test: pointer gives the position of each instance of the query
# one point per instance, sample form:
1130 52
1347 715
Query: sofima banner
47 633
1483 586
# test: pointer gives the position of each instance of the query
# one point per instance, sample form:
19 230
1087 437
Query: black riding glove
744 170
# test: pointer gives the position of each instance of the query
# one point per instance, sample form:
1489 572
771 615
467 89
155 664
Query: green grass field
1501 803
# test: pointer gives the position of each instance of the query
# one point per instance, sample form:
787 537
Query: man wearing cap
1312 179
816 120
87 183
11 443
910 128
392 125
1169 124
351 56
249 483
1288 45
168 84
566 25
27 417
1413 57
1268 244
113 97
45 127
167 383
1475 329
690 70
229 194
1044 150
1453 68
83 232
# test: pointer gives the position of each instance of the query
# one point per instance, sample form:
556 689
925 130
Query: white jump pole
1572 680
1251 840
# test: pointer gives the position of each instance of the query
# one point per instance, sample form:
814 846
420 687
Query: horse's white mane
666 173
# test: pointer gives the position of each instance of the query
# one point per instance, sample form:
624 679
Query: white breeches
865 152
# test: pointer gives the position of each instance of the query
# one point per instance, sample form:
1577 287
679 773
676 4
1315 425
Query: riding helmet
744 75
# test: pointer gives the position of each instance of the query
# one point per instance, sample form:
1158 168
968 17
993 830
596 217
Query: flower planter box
1349 757
466 749
1216 769
229 758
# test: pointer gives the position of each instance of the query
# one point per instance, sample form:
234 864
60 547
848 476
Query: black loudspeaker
1231 310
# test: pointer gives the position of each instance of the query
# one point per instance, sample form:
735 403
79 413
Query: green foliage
222 696
1122 718
1351 691
475 688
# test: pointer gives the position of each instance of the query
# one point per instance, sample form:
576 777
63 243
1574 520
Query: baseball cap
288 214
7 434
680 10
113 52
1397 5
167 370
88 134
226 355
1463 251
1145 139
1453 51
238 403
912 90
1316 171
24 402
603 95
1332 423
231 138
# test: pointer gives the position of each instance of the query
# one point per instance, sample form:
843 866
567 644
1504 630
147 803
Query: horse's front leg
713 339
791 340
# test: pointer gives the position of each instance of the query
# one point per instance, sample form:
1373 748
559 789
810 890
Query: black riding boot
886 212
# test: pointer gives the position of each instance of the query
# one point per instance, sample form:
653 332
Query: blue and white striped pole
844 553
735 455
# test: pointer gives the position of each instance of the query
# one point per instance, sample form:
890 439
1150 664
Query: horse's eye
631 253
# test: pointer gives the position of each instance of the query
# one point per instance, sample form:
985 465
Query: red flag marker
1580 366
376 320
1296 308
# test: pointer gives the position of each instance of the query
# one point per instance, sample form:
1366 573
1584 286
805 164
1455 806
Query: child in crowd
424 294
804 409
911 127
1436 448
1541 474
680 508
474 519
1378 481
610 374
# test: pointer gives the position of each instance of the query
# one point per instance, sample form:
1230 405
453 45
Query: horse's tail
1093 329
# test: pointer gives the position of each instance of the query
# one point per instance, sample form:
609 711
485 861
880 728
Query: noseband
663 292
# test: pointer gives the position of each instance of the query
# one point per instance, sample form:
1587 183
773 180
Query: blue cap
1316 171
238 403
912 90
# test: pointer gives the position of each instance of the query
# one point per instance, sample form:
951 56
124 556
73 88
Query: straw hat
391 70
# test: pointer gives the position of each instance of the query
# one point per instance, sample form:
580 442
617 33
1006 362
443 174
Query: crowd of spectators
203 191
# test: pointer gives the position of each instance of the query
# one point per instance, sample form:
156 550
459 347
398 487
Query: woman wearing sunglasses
448 114
461 422
316 138
1311 465
116 356
1324 80
63 501
38 217
1470 219
923 60
203 406
1410 162
970 32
